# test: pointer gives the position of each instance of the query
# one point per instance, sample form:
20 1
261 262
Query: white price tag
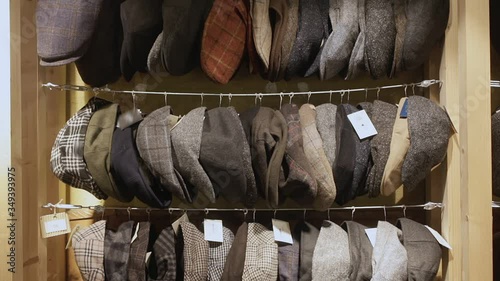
135 233
362 124
213 230
176 225
282 231
372 235
438 237
54 225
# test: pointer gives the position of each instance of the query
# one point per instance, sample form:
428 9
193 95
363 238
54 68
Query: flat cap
364 160
357 59
308 234
261 255
331 261
195 253
360 251
218 253
325 123
136 270
389 257
88 245
233 268
163 263
117 249
262 31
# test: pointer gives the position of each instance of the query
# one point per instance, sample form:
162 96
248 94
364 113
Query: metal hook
201 97
348 95
128 211
245 212
406 93
413 88
404 211
291 97
281 99
366 94
261 96
331 92
166 102
342 96
254 214
274 216
305 211
328 213
385 214
353 211
170 211
220 100
148 211
229 98
206 212
133 100
378 93
309 96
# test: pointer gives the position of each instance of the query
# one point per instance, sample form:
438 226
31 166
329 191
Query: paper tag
282 231
135 233
213 230
372 235
176 225
129 118
54 225
362 124
404 110
438 237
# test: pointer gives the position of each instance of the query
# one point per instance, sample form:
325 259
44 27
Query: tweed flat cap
163 262
399 7
155 62
182 32
268 146
262 31
88 245
186 143
331 261
383 118
400 142
66 158
360 251
298 182
313 148
64 30
495 144
136 270
223 41
423 250
117 249
195 253
420 38
154 145
380 37
246 118
430 129
288 260
142 22
337 49
97 152
233 268
357 60
325 123
255 64
217 255
101 63
389 257
261 255
312 29
308 236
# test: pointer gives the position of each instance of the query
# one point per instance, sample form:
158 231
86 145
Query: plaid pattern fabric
117 249
88 245
136 266
155 148
223 41
195 253
217 254
261 257
288 261
66 158
164 253
313 148
262 32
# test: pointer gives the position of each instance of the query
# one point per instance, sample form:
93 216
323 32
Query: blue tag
404 110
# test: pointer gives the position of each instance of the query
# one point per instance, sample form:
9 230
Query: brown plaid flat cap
65 29
138 249
163 263
223 40
233 269
261 256
195 253
66 158
117 249
217 255
262 31
88 245
155 147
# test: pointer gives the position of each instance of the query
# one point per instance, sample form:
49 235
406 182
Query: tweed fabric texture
360 251
246 118
308 236
136 267
217 255
389 257
430 129
312 29
142 22
65 29
66 158
400 142
233 268
223 41
155 63
261 255
255 64
117 249
421 38
313 148
299 182
325 122
329 23
357 59
269 139
339 45
400 20
383 118
262 31
88 245
97 152
331 261
495 144
186 146
288 260
380 37
195 253
155 147
423 250
164 257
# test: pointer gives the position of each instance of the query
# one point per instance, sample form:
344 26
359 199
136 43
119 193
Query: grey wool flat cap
430 129
400 20
155 148
117 251
380 37
357 59
495 147
186 145
389 256
331 261
383 118
338 48
360 250
325 122
424 252
155 63
364 160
